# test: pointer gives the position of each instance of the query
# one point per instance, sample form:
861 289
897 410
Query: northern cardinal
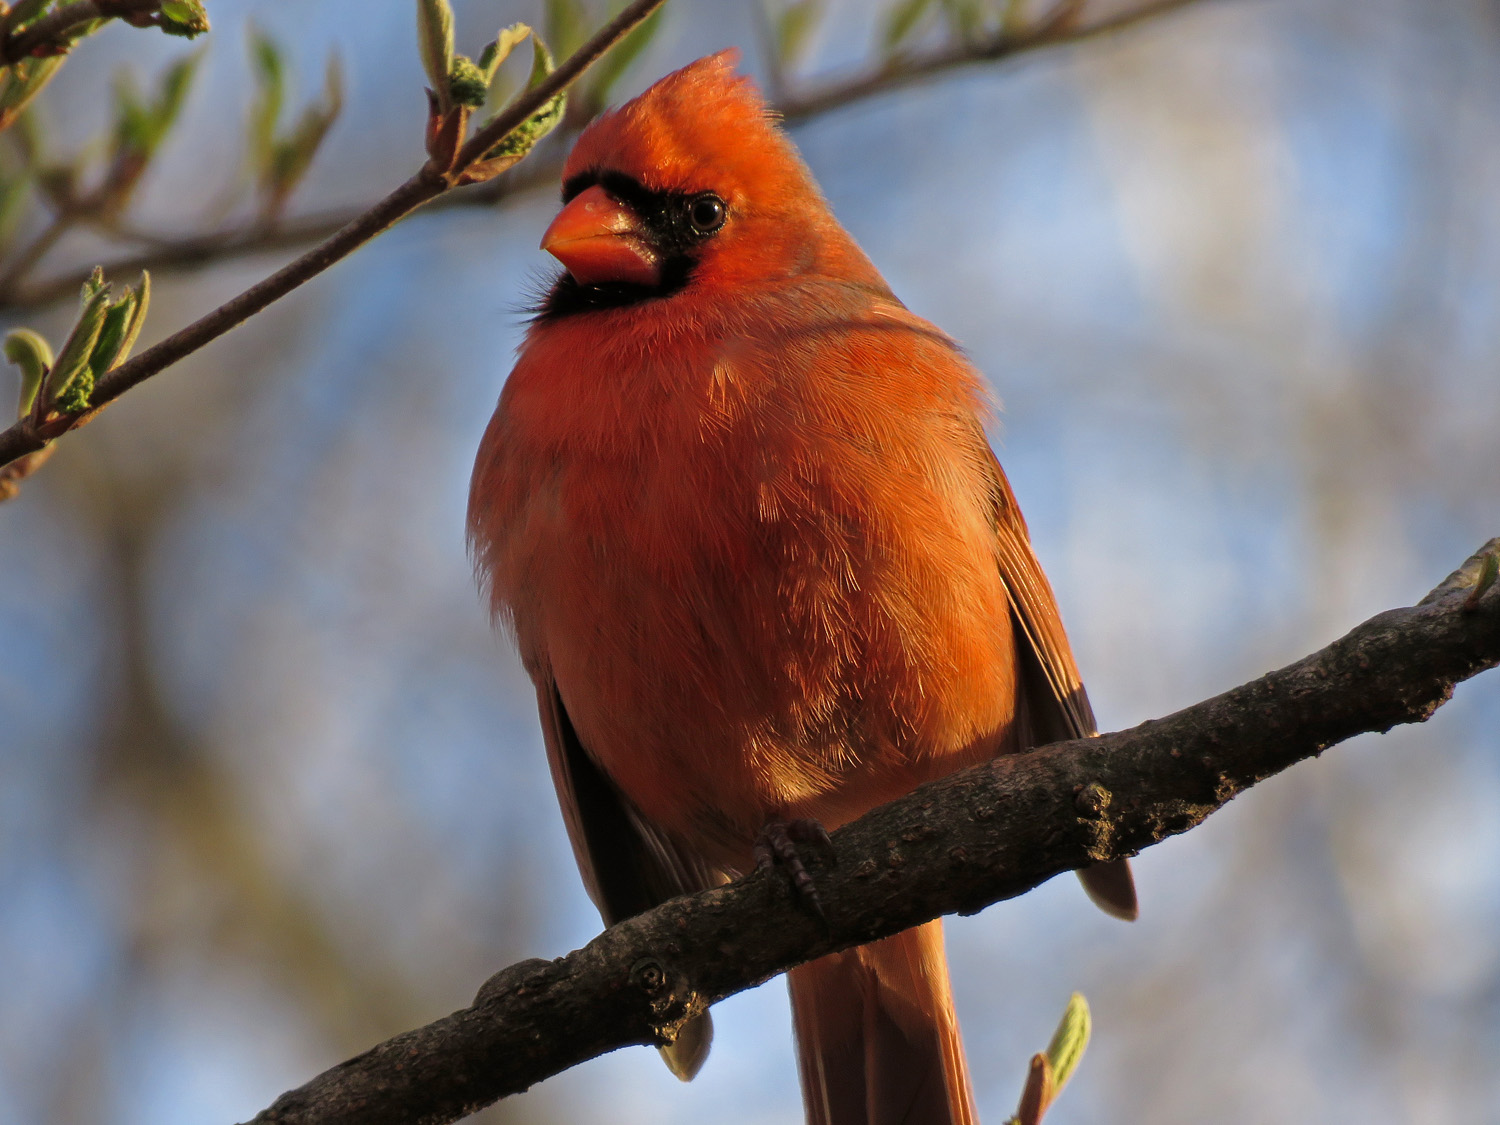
737 505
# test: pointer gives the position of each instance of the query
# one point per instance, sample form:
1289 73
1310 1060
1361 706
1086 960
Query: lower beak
599 240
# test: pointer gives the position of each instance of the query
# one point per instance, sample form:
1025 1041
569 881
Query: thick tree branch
960 844
1062 27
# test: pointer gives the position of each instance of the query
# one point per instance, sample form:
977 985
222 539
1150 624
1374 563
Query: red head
692 183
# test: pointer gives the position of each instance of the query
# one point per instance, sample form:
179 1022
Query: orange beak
598 239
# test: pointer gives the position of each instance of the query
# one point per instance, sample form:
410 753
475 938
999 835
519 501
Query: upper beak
599 239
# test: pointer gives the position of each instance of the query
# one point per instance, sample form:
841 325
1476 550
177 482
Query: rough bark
957 845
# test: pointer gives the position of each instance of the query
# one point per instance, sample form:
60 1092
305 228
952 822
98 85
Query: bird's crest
703 122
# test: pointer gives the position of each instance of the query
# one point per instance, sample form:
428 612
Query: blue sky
1233 275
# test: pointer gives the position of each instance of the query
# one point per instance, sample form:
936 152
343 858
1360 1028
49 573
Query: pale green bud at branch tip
30 352
435 42
184 17
1068 1042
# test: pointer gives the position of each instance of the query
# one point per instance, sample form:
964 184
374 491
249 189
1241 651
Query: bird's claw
777 844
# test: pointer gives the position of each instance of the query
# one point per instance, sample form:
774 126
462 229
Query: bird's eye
706 213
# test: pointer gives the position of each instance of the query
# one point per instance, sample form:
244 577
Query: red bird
738 507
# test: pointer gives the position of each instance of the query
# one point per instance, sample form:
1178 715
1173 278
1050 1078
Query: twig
989 833
204 248
52 27
167 251
26 437
1048 32
22 264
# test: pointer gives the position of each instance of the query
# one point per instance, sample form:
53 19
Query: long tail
877 1040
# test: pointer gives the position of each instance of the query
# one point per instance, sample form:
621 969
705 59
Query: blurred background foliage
271 790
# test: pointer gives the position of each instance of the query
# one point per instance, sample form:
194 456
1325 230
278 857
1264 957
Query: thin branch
27 437
212 246
16 269
165 251
52 29
986 834
1055 30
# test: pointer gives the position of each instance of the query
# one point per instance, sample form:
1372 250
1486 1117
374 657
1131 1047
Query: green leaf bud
467 84
1069 1041
435 43
30 352
520 140
184 17
498 51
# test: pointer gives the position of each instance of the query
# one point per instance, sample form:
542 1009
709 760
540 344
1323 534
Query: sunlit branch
957 845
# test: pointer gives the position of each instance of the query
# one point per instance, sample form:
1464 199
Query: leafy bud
184 17
498 51
467 84
523 138
1068 1042
435 43
71 380
30 352
122 324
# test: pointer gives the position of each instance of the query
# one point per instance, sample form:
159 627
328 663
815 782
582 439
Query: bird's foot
777 844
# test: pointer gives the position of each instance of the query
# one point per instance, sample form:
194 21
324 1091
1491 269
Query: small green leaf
142 295
467 84
140 128
901 22
265 111
1069 1041
963 18
184 17
292 156
520 140
499 50
117 318
71 381
567 25
30 352
173 92
435 43
794 27
21 82
13 192
609 69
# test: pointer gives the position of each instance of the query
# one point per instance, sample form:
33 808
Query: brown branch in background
1058 29
165 253
27 437
986 834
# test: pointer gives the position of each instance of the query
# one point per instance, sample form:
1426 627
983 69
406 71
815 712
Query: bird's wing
626 864
1054 705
